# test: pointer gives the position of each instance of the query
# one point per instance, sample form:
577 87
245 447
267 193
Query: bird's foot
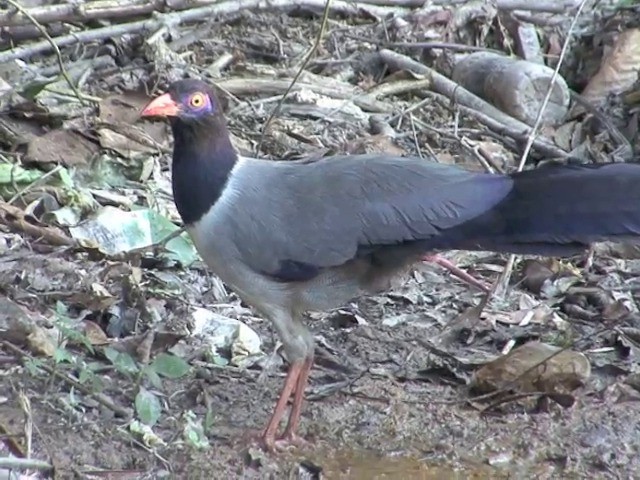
282 443
292 440
271 444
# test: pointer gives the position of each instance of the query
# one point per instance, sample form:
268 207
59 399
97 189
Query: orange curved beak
162 106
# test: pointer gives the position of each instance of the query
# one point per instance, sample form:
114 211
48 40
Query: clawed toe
271 444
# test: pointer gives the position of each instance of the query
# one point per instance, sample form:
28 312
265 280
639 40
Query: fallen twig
55 48
98 397
470 103
16 463
202 13
72 11
118 9
25 404
38 181
399 87
456 47
240 86
500 287
305 62
547 6
17 220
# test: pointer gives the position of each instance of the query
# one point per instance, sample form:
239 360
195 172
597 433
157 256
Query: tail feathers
557 210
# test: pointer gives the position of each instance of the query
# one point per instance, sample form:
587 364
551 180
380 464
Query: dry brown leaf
61 146
127 136
619 69
17 322
41 343
162 342
539 314
626 250
18 131
94 333
373 144
569 135
519 370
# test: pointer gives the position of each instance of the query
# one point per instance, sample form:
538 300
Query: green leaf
180 248
148 407
194 432
61 309
170 366
220 361
10 174
111 354
114 231
62 355
33 88
85 375
123 362
88 377
33 365
65 178
152 376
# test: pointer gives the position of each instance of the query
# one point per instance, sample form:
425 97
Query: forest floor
82 327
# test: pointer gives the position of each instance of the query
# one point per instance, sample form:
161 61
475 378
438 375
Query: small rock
499 459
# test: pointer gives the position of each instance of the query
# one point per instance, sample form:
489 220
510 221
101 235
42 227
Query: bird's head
186 102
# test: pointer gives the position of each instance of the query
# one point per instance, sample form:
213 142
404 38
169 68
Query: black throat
203 158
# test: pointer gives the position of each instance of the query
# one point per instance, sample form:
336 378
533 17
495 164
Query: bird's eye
196 100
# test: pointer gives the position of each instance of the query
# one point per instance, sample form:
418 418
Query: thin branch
502 283
456 47
16 219
74 11
98 397
37 181
305 62
330 88
547 6
472 104
15 463
199 14
53 45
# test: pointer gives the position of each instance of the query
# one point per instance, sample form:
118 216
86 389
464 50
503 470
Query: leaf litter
110 322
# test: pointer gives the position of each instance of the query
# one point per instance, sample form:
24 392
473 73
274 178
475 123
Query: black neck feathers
203 158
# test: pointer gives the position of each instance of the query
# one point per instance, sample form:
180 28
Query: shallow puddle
367 465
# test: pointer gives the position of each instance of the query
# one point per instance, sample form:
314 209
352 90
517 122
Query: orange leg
461 274
289 434
290 383
295 383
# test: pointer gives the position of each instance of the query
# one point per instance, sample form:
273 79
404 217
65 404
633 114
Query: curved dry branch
470 103
118 9
202 13
78 11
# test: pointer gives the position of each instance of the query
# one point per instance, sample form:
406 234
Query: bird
296 236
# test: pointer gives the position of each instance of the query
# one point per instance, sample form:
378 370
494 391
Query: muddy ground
388 396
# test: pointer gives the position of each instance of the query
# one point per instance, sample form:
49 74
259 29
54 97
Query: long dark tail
558 210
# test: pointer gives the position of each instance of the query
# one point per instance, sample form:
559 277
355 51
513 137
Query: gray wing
292 220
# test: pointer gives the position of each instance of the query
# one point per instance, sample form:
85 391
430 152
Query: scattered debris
226 337
106 310
534 368
516 87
